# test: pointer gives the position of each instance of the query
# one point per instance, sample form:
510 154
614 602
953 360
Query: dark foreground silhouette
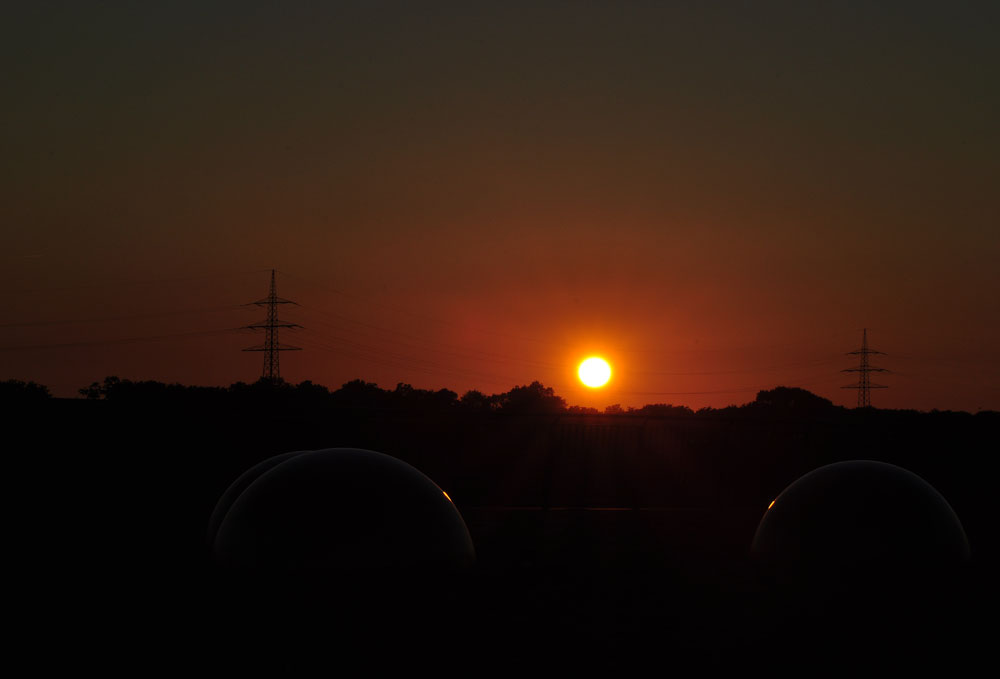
601 540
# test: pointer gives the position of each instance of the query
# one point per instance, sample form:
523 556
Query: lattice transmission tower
271 346
864 370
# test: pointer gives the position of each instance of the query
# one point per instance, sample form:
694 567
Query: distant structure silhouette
270 325
864 385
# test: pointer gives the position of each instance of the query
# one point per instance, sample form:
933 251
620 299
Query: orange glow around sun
594 372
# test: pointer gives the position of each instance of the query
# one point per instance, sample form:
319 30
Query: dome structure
237 487
341 509
860 516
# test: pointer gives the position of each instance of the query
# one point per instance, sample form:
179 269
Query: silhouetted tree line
18 391
534 398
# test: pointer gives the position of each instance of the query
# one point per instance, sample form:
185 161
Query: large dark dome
860 515
237 487
340 508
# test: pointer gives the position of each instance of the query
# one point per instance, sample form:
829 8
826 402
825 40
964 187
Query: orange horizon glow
445 231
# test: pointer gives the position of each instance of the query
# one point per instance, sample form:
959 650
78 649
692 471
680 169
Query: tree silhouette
477 401
534 398
791 399
662 410
20 391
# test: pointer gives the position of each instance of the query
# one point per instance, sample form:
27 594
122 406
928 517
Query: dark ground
603 542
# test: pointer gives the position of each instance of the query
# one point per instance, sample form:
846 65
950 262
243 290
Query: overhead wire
433 367
380 345
378 358
121 340
120 282
422 344
419 316
439 347
116 319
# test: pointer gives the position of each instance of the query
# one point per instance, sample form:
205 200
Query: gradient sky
717 197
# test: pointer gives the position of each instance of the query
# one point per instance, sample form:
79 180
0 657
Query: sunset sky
716 197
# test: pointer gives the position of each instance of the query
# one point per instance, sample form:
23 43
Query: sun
594 372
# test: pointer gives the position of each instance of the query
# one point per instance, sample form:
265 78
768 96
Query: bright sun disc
594 372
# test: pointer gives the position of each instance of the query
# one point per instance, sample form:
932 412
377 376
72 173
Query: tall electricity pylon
271 347
864 385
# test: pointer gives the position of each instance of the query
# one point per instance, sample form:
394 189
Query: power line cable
122 340
119 283
420 316
115 319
